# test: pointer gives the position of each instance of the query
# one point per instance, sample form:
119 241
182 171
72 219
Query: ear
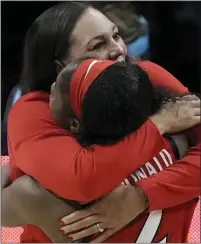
74 125
59 66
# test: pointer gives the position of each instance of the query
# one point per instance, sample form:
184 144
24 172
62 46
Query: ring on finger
100 229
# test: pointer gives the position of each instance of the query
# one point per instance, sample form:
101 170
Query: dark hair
48 39
117 103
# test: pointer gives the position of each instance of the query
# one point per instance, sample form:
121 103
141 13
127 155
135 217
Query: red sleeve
161 77
50 155
175 185
181 182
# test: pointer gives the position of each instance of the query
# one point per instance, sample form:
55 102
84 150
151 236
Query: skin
60 106
95 36
25 192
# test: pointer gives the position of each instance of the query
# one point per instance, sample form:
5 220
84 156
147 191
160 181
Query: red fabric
181 182
82 78
38 146
36 139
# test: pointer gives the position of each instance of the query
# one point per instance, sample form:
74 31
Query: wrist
161 126
138 200
143 198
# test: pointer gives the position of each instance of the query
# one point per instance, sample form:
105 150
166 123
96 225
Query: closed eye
98 45
116 36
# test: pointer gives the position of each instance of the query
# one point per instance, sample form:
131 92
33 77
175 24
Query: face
56 104
95 36
59 103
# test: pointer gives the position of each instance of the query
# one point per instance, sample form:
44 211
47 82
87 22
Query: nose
117 52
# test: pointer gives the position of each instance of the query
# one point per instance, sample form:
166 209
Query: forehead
92 23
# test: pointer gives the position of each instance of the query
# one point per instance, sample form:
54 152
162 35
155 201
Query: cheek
75 52
53 110
53 105
56 111
102 54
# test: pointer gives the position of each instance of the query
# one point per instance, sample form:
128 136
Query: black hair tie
174 146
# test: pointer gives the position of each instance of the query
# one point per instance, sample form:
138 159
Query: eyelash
116 36
98 45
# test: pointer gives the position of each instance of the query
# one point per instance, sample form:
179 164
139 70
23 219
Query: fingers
76 216
196 120
195 103
106 234
83 233
195 107
83 223
196 111
190 97
191 106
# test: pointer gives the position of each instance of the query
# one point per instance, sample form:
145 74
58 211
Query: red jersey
170 225
39 148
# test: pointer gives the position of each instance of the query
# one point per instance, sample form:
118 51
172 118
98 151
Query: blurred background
167 33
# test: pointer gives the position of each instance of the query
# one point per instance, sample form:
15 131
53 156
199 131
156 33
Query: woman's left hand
111 213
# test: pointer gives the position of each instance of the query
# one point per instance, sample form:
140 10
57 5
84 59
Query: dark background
175 36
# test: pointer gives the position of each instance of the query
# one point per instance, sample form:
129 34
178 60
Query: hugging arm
52 154
28 195
181 182
175 185
26 202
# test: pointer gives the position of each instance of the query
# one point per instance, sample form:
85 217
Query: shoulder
159 77
31 98
30 116
151 67
29 105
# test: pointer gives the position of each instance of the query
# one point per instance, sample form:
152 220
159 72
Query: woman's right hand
177 116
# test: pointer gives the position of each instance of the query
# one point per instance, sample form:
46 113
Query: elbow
86 187
82 180
85 178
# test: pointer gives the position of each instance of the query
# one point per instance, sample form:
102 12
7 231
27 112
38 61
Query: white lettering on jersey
134 177
152 224
140 174
168 155
150 168
126 182
157 163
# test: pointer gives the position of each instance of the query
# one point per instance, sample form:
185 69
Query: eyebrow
101 36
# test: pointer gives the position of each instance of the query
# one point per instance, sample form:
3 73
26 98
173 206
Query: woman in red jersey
40 73
95 89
